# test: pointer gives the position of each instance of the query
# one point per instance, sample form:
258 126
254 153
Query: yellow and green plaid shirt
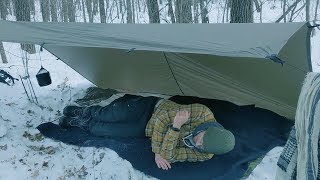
167 142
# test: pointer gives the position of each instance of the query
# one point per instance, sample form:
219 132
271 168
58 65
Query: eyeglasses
188 141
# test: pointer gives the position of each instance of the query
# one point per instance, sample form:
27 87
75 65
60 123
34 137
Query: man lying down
178 132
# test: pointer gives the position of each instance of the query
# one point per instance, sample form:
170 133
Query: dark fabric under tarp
256 130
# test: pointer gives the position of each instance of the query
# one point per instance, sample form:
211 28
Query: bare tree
95 7
307 10
45 10
3 53
32 7
90 10
153 11
103 17
195 11
284 10
257 5
4 13
183 11
225 11
293 11
316 11
204 12
83 11
139 7
288 10
107 6
23 14
71 11
77 4
241 11
119 8
170 11
133 11
261 10
129 12
3 9
64 11
54 10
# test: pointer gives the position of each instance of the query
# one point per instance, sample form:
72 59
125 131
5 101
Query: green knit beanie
218 140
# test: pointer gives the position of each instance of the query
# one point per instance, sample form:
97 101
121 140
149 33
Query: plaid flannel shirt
167 142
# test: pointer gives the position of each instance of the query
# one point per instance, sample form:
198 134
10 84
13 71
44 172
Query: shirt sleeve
172 153
159 130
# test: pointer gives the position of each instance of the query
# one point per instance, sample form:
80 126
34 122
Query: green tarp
218 61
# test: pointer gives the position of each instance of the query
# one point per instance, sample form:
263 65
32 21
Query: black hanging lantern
43 77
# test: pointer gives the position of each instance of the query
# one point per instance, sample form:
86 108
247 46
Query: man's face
198 140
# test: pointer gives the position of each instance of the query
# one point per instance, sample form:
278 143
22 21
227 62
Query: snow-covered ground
25 154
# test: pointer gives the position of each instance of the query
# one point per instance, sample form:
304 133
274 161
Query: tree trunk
45 10
133 11
261 10
103 17
3 54
228 10
129 11
119 8
71 11
107 9
3 10
89 10
196 11
170 12
53 8
23 14
32 7
316 11
77 4
153 11
183 11
284 10
9 7
22 10
139 8
204 12
307 10
242 11
64 11
95 7
83 11
225 17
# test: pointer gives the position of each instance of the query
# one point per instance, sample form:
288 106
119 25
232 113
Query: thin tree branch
258 7
288 10
298 11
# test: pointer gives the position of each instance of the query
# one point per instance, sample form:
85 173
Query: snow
26 154
3 131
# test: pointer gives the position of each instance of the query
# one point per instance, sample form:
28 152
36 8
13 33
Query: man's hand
161 162
181 118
